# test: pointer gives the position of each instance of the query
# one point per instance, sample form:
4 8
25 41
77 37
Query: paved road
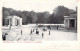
25 36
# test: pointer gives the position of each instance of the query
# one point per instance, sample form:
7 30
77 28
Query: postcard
39 25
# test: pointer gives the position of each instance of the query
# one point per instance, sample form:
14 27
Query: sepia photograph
39 20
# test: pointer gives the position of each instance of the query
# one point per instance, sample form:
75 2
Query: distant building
13 21
70 21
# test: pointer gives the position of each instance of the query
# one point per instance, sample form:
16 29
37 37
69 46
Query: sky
38 5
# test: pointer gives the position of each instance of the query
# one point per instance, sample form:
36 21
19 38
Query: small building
70 21
13 21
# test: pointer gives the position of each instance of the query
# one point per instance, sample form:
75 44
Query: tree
59 13
6 13
46 16
40 17
33 15
26 17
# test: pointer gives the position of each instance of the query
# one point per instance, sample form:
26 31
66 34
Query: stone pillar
75 23
17 22
13 22
20 21
68 24
10 23
64 22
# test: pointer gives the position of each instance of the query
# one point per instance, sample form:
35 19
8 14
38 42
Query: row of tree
38 17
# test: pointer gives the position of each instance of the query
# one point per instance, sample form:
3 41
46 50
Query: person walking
50 27
31 32
49 32
21 32
57 27
42 35
4 36
37 32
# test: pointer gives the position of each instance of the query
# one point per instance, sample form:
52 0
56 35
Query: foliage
38 17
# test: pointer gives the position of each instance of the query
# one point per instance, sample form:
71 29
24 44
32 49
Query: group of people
32 30
4 36
37 32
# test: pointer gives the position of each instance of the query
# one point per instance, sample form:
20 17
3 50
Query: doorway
72 23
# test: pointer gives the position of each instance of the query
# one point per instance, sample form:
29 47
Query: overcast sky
38 5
